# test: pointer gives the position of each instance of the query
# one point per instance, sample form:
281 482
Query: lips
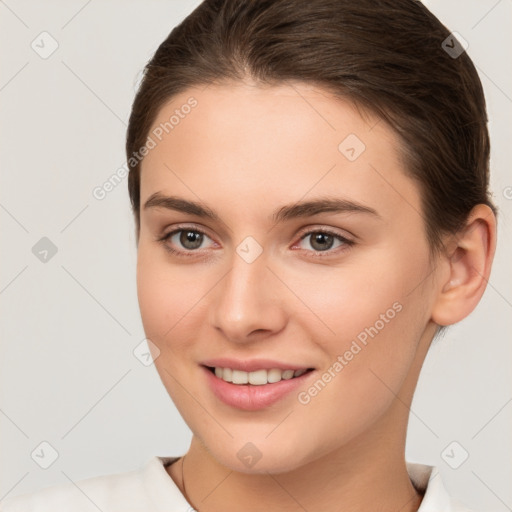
250 397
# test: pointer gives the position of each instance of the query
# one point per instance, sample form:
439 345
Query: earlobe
467 261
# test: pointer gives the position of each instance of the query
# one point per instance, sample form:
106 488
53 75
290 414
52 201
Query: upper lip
252 365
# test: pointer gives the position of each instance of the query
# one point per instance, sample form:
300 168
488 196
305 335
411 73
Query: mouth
259 377
255 390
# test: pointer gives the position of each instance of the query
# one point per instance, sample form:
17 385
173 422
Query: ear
465 267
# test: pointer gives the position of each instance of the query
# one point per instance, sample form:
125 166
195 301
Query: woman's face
253 277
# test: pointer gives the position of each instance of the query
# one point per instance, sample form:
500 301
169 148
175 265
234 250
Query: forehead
253 119
291 140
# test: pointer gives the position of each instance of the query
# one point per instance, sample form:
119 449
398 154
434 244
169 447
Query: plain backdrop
70 324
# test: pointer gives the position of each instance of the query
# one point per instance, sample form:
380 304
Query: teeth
239 377
287 374
274 375
258 377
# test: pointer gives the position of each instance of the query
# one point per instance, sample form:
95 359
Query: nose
247 303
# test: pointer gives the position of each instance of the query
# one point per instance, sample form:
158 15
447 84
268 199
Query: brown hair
393 58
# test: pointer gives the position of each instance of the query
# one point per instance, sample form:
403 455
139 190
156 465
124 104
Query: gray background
69 327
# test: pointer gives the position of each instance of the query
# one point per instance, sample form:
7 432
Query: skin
245 151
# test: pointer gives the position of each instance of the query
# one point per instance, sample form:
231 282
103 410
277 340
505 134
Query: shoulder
129 491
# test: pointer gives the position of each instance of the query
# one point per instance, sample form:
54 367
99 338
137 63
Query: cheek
371 312
165 292
339 302
169 303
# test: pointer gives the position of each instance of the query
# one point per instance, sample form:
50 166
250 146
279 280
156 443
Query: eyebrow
287 212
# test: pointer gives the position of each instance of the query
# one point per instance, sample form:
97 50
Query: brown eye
190 239
321 241
185 241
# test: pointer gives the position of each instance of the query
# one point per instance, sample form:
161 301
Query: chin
254 459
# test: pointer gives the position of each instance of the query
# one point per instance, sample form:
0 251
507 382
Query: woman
309 182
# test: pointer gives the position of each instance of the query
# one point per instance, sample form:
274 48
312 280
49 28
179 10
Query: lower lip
250 397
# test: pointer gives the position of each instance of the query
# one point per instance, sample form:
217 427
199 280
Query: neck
370 473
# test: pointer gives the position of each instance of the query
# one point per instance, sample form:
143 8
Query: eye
187 240
322 240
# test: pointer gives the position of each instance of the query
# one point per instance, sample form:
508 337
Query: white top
150 488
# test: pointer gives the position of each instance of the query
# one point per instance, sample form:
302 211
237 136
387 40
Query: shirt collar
426 479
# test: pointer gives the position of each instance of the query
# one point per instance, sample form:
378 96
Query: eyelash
191 253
